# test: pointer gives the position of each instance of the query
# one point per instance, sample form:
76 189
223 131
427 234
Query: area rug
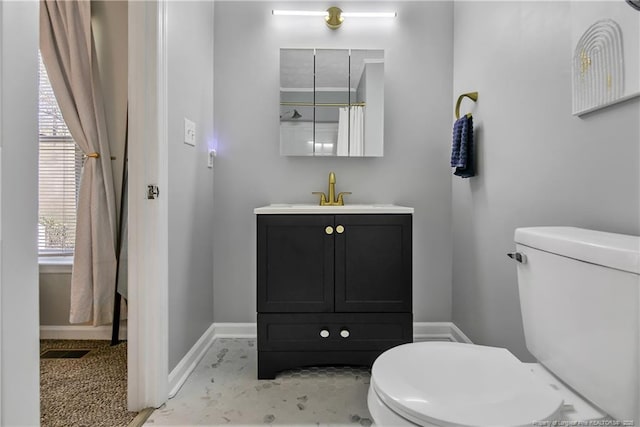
86 391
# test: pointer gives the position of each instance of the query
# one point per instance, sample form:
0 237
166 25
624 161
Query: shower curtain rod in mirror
320 104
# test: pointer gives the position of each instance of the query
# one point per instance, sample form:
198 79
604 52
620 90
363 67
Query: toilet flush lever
520 257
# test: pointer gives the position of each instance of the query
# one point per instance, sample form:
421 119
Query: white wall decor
606 56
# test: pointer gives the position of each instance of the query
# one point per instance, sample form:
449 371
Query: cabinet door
373 263
295 263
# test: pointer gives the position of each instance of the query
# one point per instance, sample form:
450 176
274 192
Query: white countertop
294 208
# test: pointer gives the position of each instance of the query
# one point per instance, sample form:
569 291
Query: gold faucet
331 200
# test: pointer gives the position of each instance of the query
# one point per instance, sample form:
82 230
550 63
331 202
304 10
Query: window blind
60 164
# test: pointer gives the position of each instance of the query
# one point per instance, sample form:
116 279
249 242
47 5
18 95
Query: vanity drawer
333 331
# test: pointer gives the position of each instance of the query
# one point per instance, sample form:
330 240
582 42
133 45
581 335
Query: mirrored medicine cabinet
332 102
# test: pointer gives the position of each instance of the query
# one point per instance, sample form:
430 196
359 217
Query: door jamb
148 219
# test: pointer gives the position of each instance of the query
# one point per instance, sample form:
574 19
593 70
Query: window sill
55 264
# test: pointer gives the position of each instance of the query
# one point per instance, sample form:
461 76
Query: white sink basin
293 208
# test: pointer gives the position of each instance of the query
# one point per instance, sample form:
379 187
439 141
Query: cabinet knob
328 229
324 333
344 333
340 229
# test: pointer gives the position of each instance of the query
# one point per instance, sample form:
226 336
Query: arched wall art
605 62
598 66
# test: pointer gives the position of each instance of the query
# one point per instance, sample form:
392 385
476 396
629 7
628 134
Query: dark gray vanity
333 284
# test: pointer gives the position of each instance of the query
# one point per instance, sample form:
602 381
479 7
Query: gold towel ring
471 95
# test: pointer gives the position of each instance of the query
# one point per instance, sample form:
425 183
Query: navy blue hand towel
462 147
456 161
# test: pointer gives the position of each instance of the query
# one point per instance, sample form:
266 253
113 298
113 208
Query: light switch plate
212 156
189 132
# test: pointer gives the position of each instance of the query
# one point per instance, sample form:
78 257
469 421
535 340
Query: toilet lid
455 384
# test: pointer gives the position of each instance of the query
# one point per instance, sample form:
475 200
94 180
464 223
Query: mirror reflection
331 102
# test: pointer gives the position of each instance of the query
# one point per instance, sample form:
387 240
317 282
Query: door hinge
152 191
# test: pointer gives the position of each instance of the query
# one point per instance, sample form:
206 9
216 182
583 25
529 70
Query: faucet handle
340 197
323 197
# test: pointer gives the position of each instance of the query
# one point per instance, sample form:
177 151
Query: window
60 164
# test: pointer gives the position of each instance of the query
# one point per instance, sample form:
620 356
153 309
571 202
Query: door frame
19 349
1 144
147 327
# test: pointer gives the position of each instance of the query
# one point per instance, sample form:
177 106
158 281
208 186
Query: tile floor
223 390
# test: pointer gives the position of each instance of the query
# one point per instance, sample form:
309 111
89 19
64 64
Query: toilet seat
455 384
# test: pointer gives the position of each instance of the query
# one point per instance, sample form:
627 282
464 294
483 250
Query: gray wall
538 164
190 192
414 170
55 298
19 348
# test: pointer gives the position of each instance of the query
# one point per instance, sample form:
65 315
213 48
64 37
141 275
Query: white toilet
579 294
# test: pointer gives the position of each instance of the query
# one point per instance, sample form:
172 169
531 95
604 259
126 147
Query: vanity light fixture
334 16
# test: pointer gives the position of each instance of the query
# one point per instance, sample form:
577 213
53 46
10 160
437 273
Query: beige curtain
68 52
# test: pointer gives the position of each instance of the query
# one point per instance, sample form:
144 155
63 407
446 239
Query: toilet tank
579 294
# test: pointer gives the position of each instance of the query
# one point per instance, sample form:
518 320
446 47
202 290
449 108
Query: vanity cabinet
332 289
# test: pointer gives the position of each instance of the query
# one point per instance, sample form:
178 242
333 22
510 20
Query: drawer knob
324 333
328 229
340 229
344 333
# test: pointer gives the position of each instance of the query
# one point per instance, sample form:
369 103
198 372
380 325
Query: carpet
86 391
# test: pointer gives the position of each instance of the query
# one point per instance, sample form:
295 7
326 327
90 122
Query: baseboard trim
236 330
81 332
185 367
422 331
438 331
458 335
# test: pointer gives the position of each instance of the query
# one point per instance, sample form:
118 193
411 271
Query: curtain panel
68 52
